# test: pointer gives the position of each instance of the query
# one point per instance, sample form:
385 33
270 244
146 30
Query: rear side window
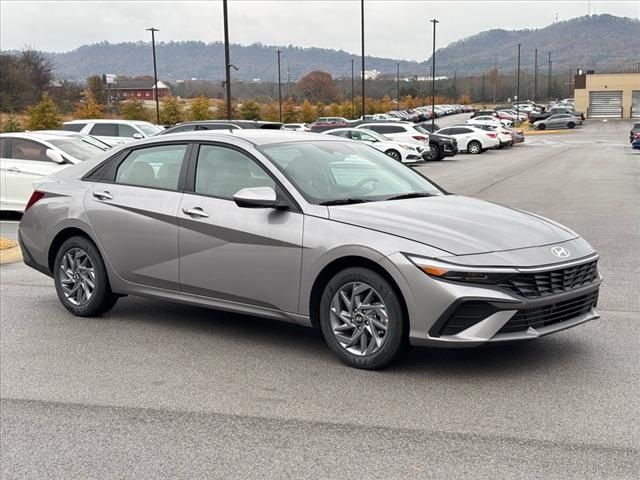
73 127
153 167
183 128
4 145
386 128
105 130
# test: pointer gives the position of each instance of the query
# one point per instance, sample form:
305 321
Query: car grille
541 284
550 314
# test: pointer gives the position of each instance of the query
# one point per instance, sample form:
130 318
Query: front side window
149 129
330 171
222 172
126 131
28 150
105 130
153 167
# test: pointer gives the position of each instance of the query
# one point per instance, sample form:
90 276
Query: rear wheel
571 125
361 319
474 147
394 154
542 126
81 279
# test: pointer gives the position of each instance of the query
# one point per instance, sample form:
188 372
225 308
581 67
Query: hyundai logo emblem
560 252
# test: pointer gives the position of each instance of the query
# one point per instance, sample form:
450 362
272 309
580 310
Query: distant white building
371 74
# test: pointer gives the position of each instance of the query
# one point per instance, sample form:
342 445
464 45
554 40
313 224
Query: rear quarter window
73 127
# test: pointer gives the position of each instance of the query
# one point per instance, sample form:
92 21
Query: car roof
106 120
254 136
45 135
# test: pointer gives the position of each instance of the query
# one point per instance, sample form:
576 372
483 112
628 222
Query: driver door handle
103 195
14 170
196 212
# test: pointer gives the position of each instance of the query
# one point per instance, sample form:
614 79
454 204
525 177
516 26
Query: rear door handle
103 195
195 212
14 170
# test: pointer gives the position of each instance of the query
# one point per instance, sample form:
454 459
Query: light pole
398 86
362 39
535 77
353 91
549 82
153 31
433 77
227 62
518 88
279 86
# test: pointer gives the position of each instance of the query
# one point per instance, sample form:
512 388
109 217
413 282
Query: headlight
408 147
462 273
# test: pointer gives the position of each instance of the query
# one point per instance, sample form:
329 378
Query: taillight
35 196
491 135
420 138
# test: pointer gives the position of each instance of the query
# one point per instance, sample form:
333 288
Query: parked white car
471 139
296 127
401 151
488 120
113 132
399 131
28 157
506 136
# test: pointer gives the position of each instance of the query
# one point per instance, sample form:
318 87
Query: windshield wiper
344 201
410 195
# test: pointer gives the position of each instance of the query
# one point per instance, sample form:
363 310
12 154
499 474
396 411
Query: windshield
149 129
330 171
80 148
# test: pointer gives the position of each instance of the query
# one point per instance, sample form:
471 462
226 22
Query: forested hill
600 42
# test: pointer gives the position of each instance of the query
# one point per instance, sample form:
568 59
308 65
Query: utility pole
455 86
549 82
495 78
288 78
353 92
398 86
279 87
482 94
518 88
433 76
153 31
227 61
362 39
535 77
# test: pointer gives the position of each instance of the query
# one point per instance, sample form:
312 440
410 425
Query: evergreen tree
90 108
199 109
250 110
44 115
171 111
134 110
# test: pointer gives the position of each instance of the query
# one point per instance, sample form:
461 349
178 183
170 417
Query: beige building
608 95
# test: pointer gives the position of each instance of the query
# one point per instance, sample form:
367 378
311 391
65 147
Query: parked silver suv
310 229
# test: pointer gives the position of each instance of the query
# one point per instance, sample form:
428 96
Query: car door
132 206
25 163
250 256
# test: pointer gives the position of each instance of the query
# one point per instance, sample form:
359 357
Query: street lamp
153 31
227 63
535 77
398 86
518 88
353 91
362 32
549 82
433 77
279 86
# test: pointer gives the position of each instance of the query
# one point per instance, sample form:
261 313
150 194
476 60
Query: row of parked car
29 156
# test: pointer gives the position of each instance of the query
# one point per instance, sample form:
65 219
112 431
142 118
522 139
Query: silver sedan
310 229
561 120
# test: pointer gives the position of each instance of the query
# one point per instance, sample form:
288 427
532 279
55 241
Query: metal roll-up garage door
606 103
635 103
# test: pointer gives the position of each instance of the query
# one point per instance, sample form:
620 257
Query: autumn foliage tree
250 110
43 116
317 87
90 108
171 111
307 112
134 110
199 109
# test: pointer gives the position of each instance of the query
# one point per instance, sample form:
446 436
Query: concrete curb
548 132
10 255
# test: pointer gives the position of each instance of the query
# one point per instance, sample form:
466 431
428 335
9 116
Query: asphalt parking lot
158 390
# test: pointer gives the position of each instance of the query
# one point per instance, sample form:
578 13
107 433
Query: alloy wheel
77 276
359 319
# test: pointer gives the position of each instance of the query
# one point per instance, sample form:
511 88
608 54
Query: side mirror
55 156
138 136
257 197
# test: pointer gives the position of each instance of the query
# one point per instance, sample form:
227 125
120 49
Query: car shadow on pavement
553 353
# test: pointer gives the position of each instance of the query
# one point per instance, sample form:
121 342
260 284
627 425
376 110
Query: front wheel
571 125
394 154
81 279
434 153
542 126
474 147
361 319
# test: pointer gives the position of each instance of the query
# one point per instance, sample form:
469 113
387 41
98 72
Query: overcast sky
394 28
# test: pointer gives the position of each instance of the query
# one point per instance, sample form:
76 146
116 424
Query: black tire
571 125
434 153
394 154
474 147
396 339
102 298
542 126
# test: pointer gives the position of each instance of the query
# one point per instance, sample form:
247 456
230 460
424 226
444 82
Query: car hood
455 224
